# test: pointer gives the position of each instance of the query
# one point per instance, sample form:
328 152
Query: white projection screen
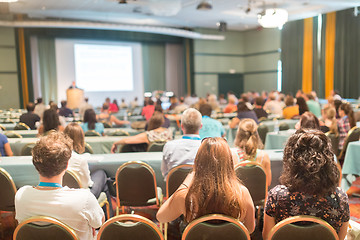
101 68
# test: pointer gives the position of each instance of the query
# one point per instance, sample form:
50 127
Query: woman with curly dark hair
309 184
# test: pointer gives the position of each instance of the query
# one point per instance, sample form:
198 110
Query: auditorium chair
88 149
262 131
156 146
12 134
284 126
21 126
92 133
120 132
27 149
8 191
334 139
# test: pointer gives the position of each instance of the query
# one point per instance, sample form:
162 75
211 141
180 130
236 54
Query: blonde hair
330 113
247 137
75 132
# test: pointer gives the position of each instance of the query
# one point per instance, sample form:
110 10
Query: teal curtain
47 64
154 66
292 36
347 54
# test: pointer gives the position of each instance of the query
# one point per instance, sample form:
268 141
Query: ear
201 126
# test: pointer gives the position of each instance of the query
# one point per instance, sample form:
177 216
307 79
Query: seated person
30 118
309 184
77 208
155 133
248 142
5 149
50 122
308 120
346 122
243 112
212 187
65 111
329 123
210 127
290 110
90 122
148 109
105 116
231 107
258 108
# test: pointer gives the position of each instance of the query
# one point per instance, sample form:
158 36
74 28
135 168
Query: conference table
277 140
351 166
23 172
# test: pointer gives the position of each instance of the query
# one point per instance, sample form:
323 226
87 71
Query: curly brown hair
309 165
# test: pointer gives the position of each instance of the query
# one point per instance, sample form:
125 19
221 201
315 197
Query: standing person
345 123
212 187
77 208
30 118
90 122
308 184
210 127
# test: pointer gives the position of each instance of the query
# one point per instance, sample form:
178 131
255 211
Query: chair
120 132
262 130
353 136
125 148
284 126
8 190
21 126
12 134
92 133
129 226
27 149
156 147
227 229
71 179
136 186
262 119
88 149
288 229
176 177
2 127
106 124
334 139
54 230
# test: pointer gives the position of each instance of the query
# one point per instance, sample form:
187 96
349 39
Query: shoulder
3 137
279 190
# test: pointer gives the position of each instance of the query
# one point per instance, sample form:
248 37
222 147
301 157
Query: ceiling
173 13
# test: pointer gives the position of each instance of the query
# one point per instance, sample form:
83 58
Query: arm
269 223
249 220
140 138
267 167
234 122
343 231
113 119
8 151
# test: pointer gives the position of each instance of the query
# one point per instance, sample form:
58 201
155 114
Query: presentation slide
100 68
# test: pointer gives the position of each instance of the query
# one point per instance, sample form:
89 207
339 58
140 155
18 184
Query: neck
55 179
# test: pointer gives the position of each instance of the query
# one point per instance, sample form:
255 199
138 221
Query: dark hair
50 120
158 108
302 105
156 121
51 154
39 100
241 107
309 120
30 107
310 96
259 101
205 109
63 103
116 103
289 100
75 132
54 106
90 118
346 107
105 106
309 165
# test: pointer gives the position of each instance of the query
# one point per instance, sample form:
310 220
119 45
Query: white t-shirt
78 163
78 208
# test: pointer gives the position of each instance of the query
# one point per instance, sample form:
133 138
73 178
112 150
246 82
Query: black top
260 112
30 119
66 112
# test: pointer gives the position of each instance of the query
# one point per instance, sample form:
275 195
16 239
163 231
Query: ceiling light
273 17
204 5
8 1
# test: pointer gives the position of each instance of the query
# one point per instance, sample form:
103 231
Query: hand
113 148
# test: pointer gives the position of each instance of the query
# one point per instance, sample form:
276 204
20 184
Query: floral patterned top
160 136
334 209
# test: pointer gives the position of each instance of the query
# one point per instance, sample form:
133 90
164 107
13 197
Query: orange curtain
23 67
307 70
330 52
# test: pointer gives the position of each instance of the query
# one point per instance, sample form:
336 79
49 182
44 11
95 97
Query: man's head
259 101
191 121
30 107
51 154
205 109
63 103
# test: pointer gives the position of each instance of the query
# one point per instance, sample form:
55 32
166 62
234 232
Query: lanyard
49 184
191 138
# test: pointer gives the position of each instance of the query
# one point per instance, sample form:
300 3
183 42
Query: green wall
9 80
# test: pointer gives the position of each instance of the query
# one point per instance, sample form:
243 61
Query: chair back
21 126
120 132
284 126
334 139
262 130
106 124
353 136
88 148
50 228
311 228
214 227
129 226
176 177
92 133
27 149
12 134
2 127
156 147
254 178
8 190
71 179
136 185
126 148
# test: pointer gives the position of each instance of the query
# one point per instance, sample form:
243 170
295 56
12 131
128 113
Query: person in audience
39 107
299 93
222 100
105 116
273 106
181 107
85 106
337 104
90 122
30 118
231 94
62 119
345 123
258 108
290 110
243 112
308 120
309 184
210 127
335 94
114 106
212 100
64 110
5 149
248 144
77 208
300 101
313 106
134 103
191 100
244 97
50 122
231 107
123 104
199 103
155 133
183 151
330 103
212 187
174 102
148 109
329 123
159 109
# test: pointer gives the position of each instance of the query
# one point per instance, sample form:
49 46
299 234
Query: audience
258 108
303 107
231 107
273 106
290 110
313 106
65 111
212 187
308 184
183 151
210 127
114 107
105 116
212 100
50 122
308 120
30 118
62 119
345 123
77 208
5 149
134 103
222 100
329 123
39 107
243 112
123 104
248 142
85 106
148 109
90 122
181 107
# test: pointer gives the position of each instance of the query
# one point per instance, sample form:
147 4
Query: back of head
259 101
300 101
330 114
309 120
205 109
90 118
309 165
39 100
191 121
51 154
30 107
63 103
75 132
105 106
289 101
54 106
232 99
213 188
247 137
347 108
310 96
50 120
241 107
156 121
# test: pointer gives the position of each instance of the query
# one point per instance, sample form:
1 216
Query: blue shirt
99 127
211 128
3 141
